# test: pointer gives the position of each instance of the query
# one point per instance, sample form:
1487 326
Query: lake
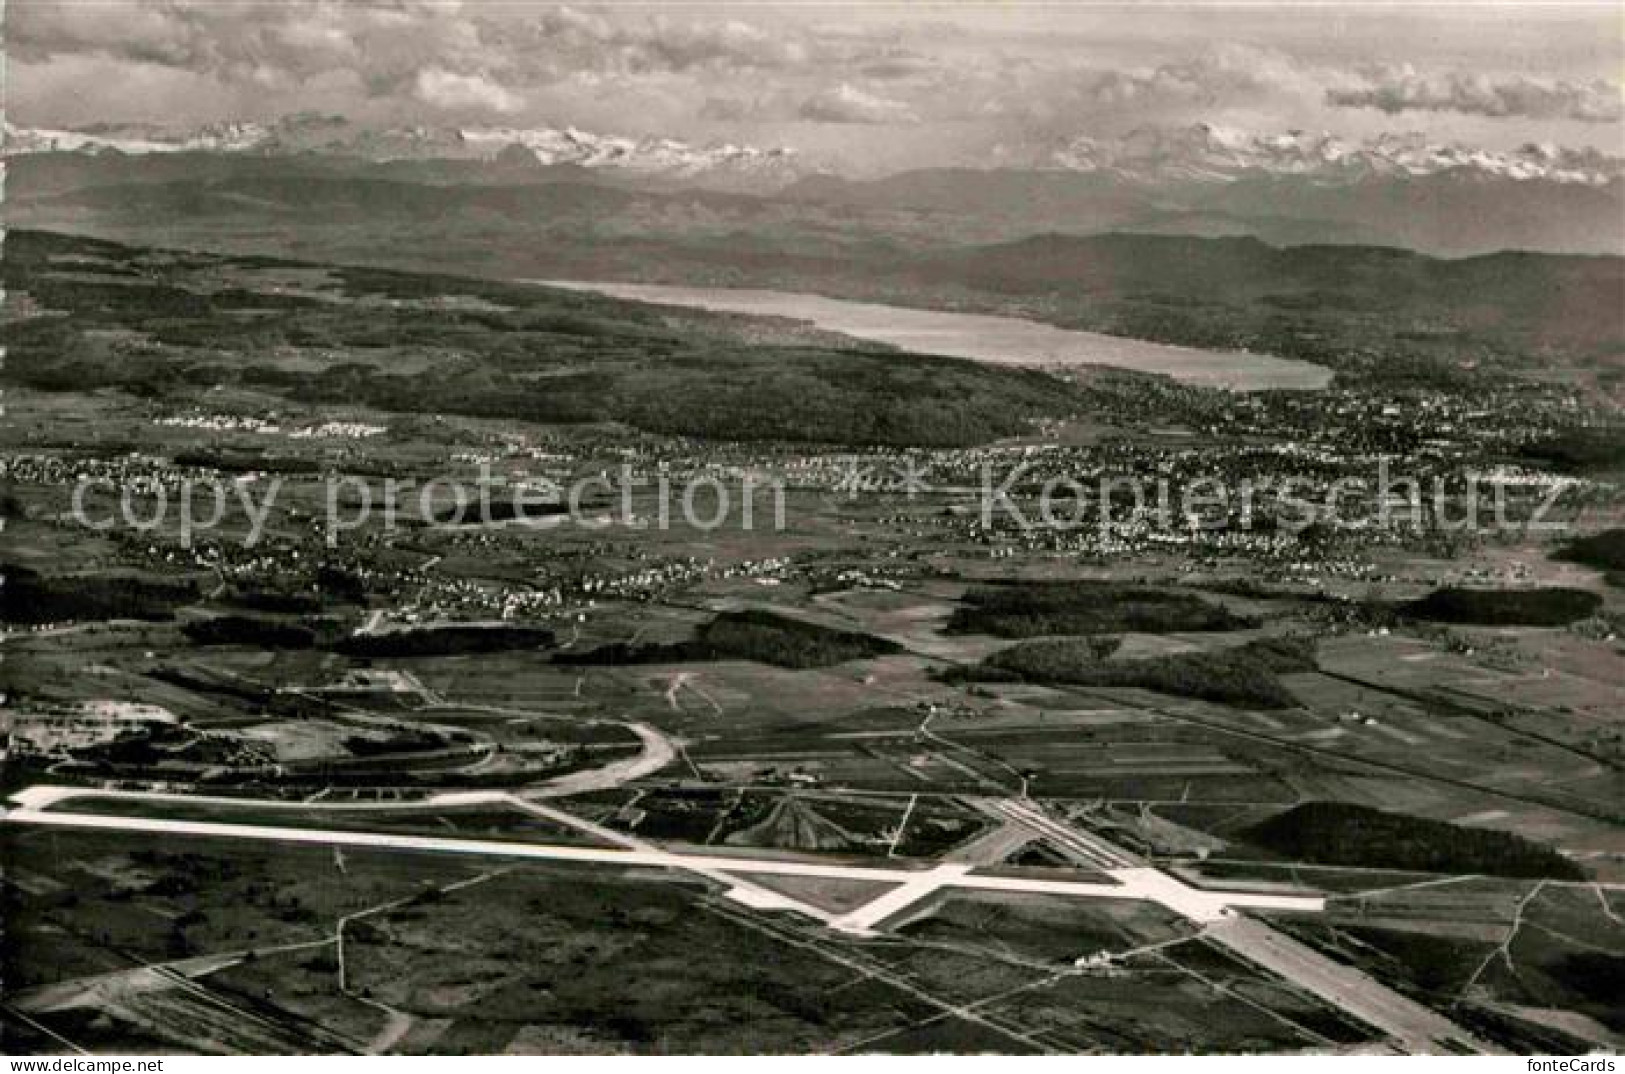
984 338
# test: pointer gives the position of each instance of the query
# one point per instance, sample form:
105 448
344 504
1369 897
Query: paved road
1084 847
993 846
1417 1029
658 752
920 886
88 991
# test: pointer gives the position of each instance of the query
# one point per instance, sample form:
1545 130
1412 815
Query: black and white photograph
803 528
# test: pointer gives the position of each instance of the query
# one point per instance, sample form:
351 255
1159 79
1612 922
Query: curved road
658 752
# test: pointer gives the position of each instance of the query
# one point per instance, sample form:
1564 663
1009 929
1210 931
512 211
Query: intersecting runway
906 887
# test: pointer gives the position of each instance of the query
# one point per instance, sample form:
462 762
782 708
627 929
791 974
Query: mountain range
1201 152
719 166
1295 188
1205 153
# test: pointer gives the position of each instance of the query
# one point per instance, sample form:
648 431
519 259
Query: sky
865 85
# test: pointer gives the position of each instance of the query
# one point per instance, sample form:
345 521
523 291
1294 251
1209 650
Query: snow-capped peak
135 139
1208 153
663 155
334 135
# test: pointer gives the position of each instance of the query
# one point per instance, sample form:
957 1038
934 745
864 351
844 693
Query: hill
1550 606
1442 198
1246 676
1030 610
1340 833
747 635
171 326
1374 312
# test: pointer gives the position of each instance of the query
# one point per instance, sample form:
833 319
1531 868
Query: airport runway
1411 1025
911 885
1418 1030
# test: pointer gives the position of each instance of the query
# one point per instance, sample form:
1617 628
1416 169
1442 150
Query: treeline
400 740
270 633
300 594
747 635
249 630
499 509
30 597
1581 450
242 462
1604 551
283 601
1340 833
445 641
1548 606
1245 675
1032 609
210 681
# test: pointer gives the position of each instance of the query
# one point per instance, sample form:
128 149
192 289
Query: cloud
441 55
1223 71
631 42
962 84
274 46
848 104
570 39
897 64
1058 97
453 92
1403 89
735 109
